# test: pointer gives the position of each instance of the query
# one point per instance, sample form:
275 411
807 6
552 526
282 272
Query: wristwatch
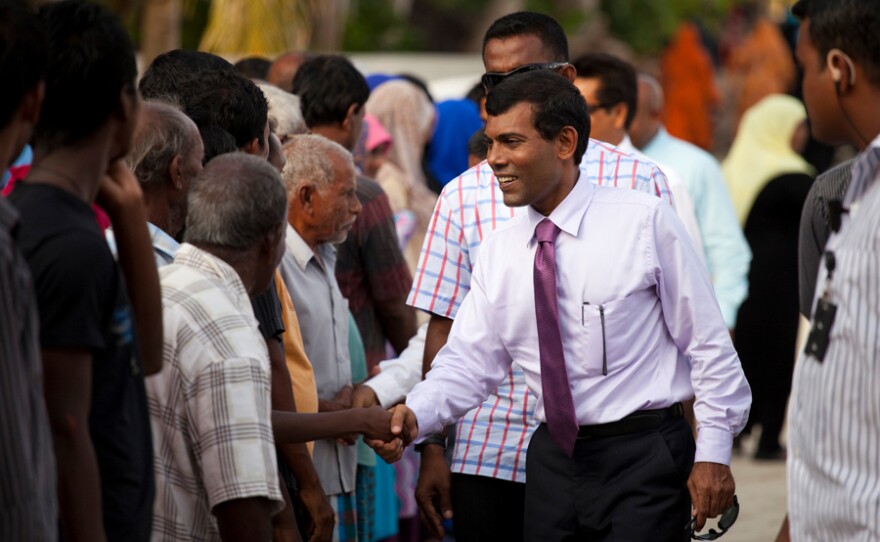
431 439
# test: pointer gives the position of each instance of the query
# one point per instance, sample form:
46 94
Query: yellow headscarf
762 150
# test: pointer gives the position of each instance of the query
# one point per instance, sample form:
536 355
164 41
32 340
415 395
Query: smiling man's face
527 166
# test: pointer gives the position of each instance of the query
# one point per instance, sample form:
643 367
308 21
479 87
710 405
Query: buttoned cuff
386 388
426 415
714 446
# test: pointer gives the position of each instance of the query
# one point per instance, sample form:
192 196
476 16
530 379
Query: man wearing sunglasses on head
487 487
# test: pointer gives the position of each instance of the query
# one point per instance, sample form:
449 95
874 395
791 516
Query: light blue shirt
164 246
727 253
324 319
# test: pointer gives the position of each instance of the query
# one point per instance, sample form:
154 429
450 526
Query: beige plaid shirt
210 407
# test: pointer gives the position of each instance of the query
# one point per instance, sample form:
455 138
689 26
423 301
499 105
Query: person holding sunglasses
613 328
486 490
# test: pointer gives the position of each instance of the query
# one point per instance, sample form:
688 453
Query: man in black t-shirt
96 345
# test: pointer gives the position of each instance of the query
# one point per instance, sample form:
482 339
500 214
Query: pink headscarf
377 135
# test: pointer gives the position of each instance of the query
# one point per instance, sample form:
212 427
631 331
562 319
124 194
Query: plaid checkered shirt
210 407
491 439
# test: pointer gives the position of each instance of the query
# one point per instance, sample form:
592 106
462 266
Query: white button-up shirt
626 270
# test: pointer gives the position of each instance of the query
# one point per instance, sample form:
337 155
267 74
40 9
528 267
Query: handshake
390 431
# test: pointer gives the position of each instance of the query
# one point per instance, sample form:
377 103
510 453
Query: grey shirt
816 228
323 318
28 500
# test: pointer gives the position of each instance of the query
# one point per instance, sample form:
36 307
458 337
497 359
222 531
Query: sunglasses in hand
728 518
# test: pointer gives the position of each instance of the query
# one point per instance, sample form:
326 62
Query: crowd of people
284 300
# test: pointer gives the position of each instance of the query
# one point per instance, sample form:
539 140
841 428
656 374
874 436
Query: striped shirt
210 407
491 439
834 459
28 503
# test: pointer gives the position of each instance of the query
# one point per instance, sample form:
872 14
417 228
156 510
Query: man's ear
353 110
253 147
304 196
128 105
174 172
619 113
566 142
569 72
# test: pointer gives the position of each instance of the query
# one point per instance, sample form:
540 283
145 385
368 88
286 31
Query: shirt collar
864 171
626 145
569 214
303 254
163 244
192 256
298 248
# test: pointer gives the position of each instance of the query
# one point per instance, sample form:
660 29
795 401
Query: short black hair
90 62
229 101
555 103
22 55
171 74
853 26
476 93
327 85
527 23
253 67
618 80
216 141
477 144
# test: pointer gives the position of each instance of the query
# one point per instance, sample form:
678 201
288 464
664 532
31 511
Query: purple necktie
558 404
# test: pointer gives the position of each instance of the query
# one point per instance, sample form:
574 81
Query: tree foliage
647 25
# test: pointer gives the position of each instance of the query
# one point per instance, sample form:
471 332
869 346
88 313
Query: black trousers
623 488
486 509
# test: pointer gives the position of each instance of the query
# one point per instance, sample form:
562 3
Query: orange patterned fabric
689 86
761 66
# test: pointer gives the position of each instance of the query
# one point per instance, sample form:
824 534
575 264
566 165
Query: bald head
649 111
284 68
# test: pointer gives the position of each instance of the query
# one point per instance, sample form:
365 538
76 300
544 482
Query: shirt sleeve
472 364
443 275
75 278
661 186
230 414
398 376
694 321
267 310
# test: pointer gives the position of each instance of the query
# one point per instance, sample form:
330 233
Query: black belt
640 420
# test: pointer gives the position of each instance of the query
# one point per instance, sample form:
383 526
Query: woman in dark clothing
769 182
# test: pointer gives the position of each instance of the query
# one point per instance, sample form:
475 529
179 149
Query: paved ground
761 490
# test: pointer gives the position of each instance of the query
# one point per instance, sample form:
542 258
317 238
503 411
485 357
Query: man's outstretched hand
404 426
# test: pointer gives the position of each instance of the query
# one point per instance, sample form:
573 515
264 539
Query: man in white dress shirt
626 329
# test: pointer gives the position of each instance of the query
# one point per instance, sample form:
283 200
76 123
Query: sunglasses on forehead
490 79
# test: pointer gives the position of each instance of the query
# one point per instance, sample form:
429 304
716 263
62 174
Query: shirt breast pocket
605 328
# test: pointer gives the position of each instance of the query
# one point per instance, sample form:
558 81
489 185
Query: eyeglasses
490 79
728 518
